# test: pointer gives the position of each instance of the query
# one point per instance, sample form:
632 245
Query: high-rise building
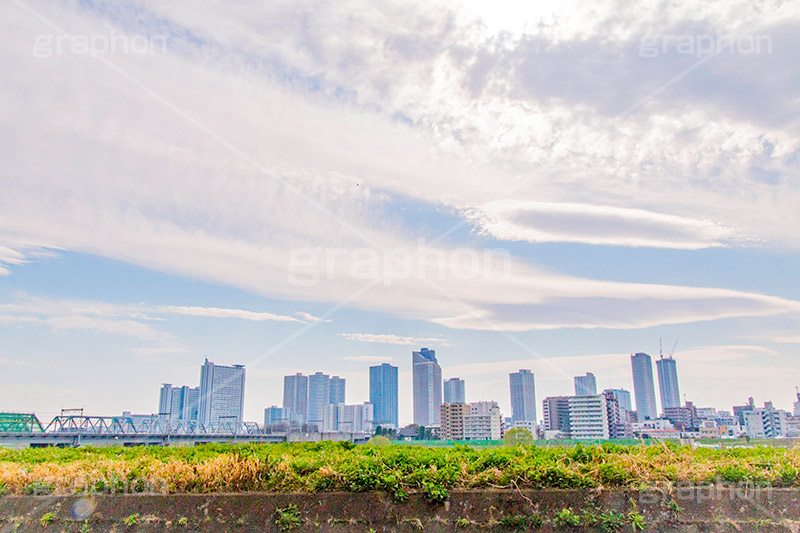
454 391
295 398
383 394
276 416
619 424
523 396
345 418
221 398
178 403
623 398
668 382
337 390
643 387
427 387
452 420
585 385
319 396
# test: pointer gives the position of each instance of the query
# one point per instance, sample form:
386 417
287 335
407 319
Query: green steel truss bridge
19 422
25 429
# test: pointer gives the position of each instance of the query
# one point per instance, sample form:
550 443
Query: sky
325 186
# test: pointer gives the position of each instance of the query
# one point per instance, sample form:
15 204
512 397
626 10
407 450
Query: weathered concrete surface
688 509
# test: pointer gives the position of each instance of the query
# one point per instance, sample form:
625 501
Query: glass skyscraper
585 385
643 387
383 394
623 398
221 394
178 403
454 391
668 382
427 387
319 397
523 396
295 398
337 390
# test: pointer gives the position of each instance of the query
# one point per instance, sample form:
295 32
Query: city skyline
519 186
177 402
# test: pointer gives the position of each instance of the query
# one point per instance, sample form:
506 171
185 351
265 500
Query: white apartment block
484 422
588 417
765 422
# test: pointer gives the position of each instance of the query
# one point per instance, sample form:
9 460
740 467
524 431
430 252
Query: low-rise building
588 417
765 422
452 416
556 416
484 422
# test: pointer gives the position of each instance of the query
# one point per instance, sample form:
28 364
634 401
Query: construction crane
661 351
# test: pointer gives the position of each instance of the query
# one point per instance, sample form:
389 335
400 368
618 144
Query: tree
379 440
518 437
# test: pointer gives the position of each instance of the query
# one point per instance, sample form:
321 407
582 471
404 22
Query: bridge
20 430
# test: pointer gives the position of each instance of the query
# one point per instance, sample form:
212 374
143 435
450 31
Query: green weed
47 518
288 518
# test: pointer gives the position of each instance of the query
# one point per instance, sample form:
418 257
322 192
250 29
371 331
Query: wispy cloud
395 339
219 312
592 224
369 358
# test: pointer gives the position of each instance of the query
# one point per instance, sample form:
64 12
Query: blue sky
325 186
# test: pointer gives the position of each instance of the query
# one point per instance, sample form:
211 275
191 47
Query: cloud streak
395 339
601 225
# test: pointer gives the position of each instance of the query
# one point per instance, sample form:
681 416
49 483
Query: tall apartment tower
295 398
523 396
221 398
319 397
454 391
383 394
668 382
643 388
623 398
427 387
178 403
337 390
585 385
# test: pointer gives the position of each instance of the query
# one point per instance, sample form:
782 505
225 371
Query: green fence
19 423
543 443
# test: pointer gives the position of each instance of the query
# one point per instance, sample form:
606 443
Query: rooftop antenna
660 352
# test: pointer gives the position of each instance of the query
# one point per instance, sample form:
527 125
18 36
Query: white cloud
310 318
115 327
593 224
369 358
226 193
218 312
395 339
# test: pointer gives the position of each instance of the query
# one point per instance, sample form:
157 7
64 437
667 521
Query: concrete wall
688 509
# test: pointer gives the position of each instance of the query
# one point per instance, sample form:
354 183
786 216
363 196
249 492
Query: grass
47 518
288 518
396 469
